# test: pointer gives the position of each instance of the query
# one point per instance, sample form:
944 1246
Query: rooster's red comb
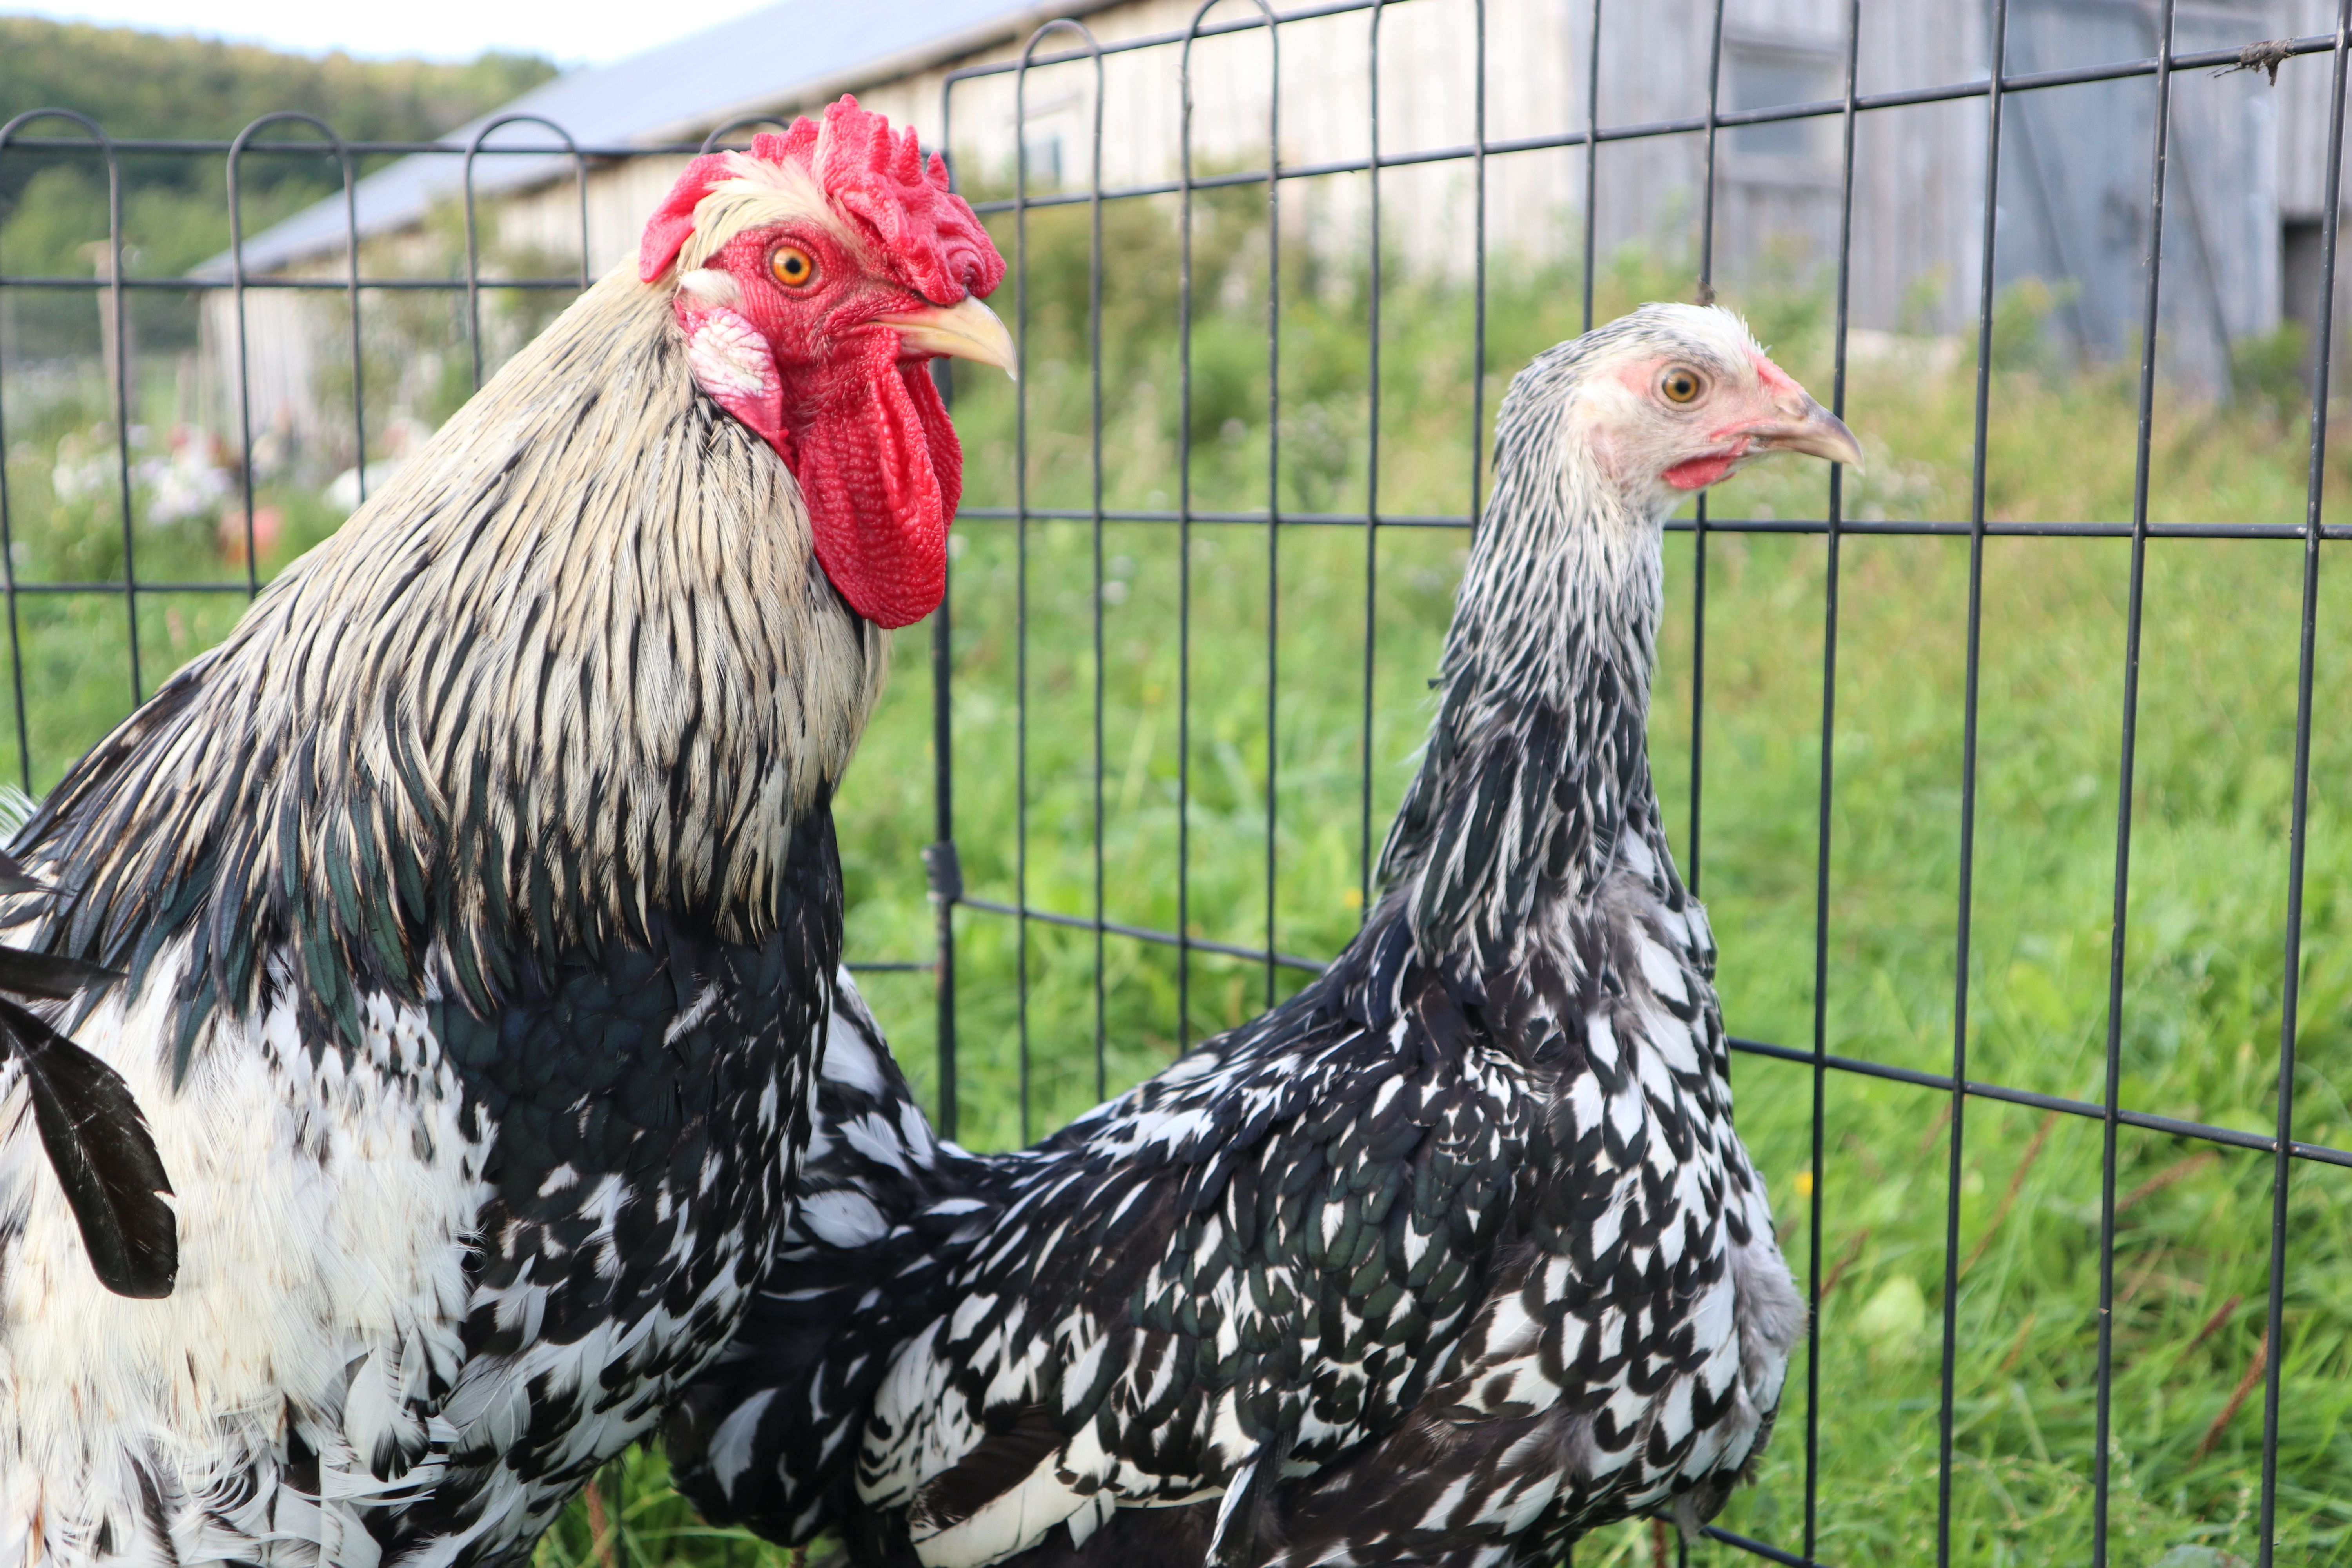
881 183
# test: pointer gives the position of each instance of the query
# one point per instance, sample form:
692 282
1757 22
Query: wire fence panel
1210 546
1957 1086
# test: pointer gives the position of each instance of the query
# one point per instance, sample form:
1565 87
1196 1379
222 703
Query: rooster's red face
832 321
821 272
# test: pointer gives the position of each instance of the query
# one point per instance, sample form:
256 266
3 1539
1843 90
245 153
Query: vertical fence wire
718 133
473 239
1372 465
2299 822
8 584
9 134
1184 545
237 152
1273 469
2102 1458
359 354
1022 204
1698 509
1021 580
114 288
118 377
1478 257
1095 528
940 862
1824 798
118 383
117 387
1591 160
1957 1124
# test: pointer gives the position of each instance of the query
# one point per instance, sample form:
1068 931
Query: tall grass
2202 967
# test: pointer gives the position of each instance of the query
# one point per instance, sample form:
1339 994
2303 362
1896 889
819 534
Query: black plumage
1448 1258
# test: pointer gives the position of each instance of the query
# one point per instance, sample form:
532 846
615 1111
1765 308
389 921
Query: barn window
1043 152
1770 75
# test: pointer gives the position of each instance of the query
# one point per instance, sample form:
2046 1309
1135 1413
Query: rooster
476 905
1447 1259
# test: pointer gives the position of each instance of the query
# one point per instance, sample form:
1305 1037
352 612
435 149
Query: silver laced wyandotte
1450 1258
465 924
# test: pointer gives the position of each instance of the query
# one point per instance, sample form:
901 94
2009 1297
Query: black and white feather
1448 1258
90 1127
467 921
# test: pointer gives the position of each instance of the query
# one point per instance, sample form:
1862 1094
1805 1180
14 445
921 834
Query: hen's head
814 277
1675 397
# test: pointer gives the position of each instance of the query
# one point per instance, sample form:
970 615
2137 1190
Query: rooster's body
1448 1258
477 908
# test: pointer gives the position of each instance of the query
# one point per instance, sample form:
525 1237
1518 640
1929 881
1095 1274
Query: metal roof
791 54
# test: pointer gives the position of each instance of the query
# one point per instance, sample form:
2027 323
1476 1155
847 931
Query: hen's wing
767 1436
1252 1263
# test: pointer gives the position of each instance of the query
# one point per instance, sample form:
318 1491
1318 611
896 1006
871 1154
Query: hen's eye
793 266
1681 385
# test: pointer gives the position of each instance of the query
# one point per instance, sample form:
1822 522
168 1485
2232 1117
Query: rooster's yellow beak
969 331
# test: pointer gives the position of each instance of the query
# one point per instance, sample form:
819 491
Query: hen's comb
881 183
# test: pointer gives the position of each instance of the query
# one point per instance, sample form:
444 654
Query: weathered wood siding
2243 192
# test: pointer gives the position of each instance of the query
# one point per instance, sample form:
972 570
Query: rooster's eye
793 266
1681 385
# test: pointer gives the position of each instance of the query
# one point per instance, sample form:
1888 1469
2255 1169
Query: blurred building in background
2243 208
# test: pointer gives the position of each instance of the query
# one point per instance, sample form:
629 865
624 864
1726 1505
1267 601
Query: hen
1447 1259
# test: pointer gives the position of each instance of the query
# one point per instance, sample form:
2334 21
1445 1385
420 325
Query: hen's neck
1537 762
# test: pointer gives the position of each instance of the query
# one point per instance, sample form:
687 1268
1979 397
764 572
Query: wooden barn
2244 203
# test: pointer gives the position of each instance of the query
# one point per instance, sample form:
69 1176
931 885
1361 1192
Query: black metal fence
1068 42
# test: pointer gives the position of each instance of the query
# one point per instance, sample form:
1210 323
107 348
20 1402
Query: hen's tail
767 1437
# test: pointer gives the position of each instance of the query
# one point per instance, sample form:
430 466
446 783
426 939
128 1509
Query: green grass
2201 1023
2200 1020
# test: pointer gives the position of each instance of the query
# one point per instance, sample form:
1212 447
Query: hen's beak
969 331
1813 429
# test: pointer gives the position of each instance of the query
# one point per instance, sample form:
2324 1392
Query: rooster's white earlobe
712 286
732 361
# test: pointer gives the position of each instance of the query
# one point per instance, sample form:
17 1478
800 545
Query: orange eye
1681 385
793 266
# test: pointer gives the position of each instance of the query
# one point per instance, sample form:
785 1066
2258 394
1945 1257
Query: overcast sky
573 32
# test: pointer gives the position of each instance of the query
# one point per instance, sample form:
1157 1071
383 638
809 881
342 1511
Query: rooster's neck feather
574 666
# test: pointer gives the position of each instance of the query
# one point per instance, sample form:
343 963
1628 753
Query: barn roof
794 53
